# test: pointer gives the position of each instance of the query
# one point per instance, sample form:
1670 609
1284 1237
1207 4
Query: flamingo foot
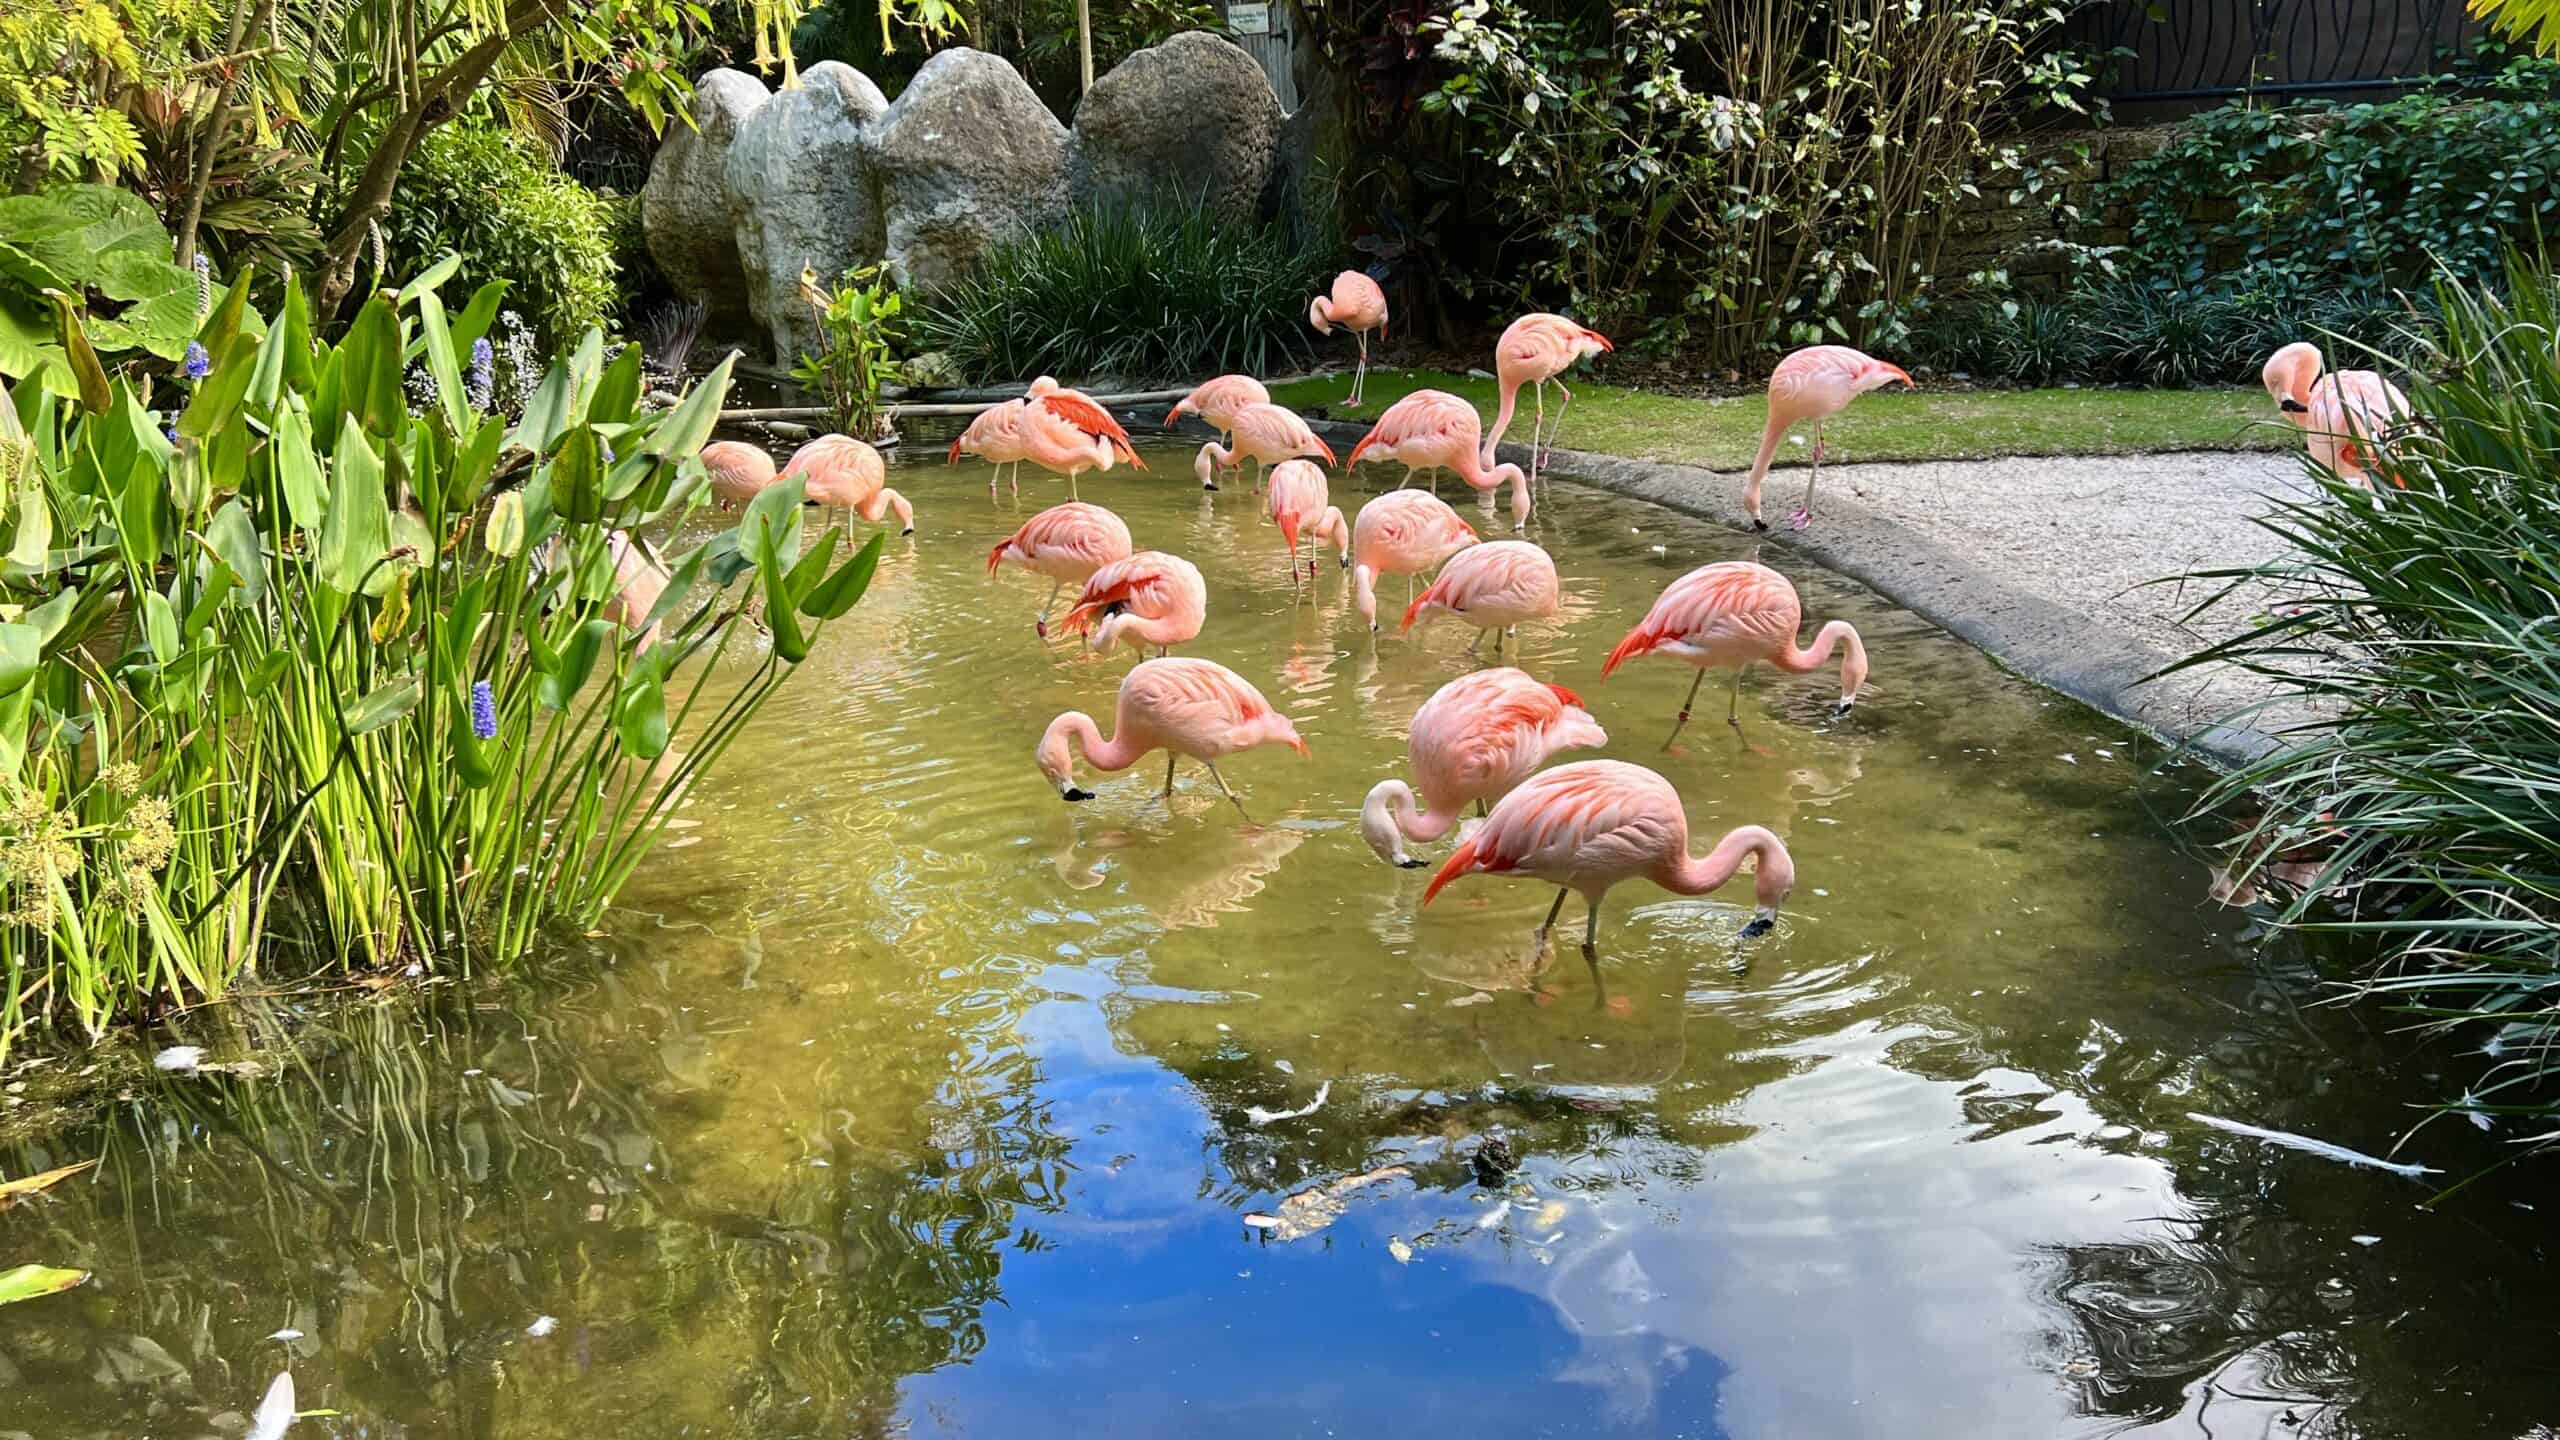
1799 519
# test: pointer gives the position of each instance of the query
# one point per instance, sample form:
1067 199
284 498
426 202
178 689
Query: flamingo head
1592 342
1879 374
1378 824
1318 316
1045 385
1204 466
1057 760
2288 374
1278 729
1776 877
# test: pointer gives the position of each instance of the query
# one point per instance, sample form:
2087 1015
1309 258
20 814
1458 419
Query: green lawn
1724 433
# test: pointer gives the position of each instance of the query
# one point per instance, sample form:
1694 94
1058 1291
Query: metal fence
2208 50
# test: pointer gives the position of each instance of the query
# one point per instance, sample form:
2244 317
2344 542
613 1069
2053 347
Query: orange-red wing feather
1568 697
1081 412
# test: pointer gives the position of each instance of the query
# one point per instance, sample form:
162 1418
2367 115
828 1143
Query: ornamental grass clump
311 675
2423 622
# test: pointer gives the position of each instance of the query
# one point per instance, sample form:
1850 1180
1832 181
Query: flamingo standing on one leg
1434 430
1475 739
2346 415
1588 825
1302 502
841 472
1533 350
1814 384
1730 614
1151 598
1495 586
1067 543
1064 424
1217 400
1266 434
737 471
995 437
1188 707
1359 306
1403 532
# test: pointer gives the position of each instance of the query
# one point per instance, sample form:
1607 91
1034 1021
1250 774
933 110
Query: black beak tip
1843 708
1759 525
1409 863
910 530
1758 928
1212 485
2294 407
1074 796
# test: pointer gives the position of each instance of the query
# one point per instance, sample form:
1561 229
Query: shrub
858 340
2422 623
292 671
479 192
1139 294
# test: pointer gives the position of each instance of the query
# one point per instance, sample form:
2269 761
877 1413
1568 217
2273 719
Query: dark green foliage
479 192
2128 332
2426 629
1136 294
2355 196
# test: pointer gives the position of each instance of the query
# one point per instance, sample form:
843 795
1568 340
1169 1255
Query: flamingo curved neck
1831 636
1364 591
1702 874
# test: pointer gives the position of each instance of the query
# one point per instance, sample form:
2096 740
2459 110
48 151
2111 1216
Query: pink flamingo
1475 739
2346 415
1535 349
1151 598
1434 430
1067 432
1813 384
737 471
1188 707
843 472
1403 532
1495 586
1588 825
1067 543
639 578
1217 400
995 437
1264 433
1359 306
1301 501
1732 613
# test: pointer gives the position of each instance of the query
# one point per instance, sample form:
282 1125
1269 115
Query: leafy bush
2133 333
293 673
104 248
1140 294
2323 197
2422 625
477 191
1737 178
858 339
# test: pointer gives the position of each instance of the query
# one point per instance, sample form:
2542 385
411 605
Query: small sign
1249 19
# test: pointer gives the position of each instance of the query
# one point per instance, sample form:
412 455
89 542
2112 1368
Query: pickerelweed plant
294 675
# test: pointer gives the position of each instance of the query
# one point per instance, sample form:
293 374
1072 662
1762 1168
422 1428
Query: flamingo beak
1409 863
1074 795
1761 924
2291 406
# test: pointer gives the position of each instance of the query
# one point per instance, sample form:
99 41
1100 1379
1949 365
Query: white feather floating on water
1260 1116
1494 1216
275 1413
542 1325
179 1059
2309 1146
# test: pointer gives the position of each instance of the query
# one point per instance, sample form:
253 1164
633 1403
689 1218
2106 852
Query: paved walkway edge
2091 661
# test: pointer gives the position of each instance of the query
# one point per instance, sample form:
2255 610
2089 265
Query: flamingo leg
1040 625
1591 957
1360 376
1733 708
1477 649
1537 434
1222 785
1804 512
1684 709
1168 776
1552 912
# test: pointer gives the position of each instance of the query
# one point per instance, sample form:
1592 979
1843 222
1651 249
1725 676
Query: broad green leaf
617 396
95 397
299 374
640 718
21 645
769 533
575 662
577 477
476 317
218 395
812 568
680 582
34 539
383 706
298 471
839 592
504 536
357 530
441 364
160 626
139 501
222 327
233 538
268 670
34 1282
473 464
424 287
789 640
684 429
369 369
48 618
546 414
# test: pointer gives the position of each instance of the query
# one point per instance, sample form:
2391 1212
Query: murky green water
903 1099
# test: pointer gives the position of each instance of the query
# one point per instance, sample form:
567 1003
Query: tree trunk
211 145
438 100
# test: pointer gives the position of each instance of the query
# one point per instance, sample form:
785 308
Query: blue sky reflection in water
903 1099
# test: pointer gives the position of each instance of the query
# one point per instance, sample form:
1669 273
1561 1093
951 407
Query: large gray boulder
684 209
968 157
1192 119
800 196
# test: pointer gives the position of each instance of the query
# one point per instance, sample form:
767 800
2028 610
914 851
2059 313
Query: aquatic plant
301 676
2420 624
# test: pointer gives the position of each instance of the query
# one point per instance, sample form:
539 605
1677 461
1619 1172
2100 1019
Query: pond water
900 1098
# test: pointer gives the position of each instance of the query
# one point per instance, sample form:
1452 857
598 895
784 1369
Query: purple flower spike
484 710
198 364
607 446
